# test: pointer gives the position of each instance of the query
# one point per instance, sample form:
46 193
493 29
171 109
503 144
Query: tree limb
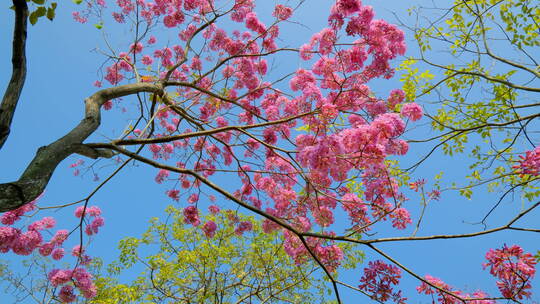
36 176
18 75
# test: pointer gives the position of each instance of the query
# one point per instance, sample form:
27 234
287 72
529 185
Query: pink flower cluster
412 111
191 215
514 268
529 163
209 229
243 227
24 243
379 280
445 292
93 212
349 131
79 277
511 265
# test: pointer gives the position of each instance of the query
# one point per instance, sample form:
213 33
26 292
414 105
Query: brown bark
18 75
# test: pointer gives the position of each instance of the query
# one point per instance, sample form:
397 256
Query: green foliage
42 10
182 265
482 86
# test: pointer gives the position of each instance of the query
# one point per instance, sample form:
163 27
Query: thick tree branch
36 176
18 75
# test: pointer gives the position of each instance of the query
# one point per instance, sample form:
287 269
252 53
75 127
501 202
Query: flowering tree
299 148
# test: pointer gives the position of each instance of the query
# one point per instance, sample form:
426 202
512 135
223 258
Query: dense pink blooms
10 217
59 277
400 218
94 225
213 209
67 294
58 253
191 215
514 268
282 12
147 60
529 163
136 48
193 198
412 111
243 227
446 297
161 176
77 250
347 7
379 280
343 131
60 236
174 194
209 229
91 211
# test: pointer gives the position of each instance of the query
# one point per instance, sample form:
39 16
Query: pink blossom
253 23
174 194
58 253
77 250
147 60
77 16
379 280
79 211
412 111
59 237
530 163
118 17
331 256
93 227
193 198
161 176
191 215
306 52
396 97
136 48
282 12
445 298
84 282
243 227
514 268
66 294
151 40
59 277
45 223
348 7
46 249
94 211
400 218
213 209
209 229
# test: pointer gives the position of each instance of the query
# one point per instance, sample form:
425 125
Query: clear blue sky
61 69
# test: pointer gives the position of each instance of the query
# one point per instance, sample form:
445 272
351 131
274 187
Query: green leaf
41 11
33 18
50 13
40 2
77 1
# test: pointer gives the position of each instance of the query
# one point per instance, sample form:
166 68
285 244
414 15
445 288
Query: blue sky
63 64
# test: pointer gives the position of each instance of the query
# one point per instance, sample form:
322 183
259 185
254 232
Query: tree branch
36 176
18 75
